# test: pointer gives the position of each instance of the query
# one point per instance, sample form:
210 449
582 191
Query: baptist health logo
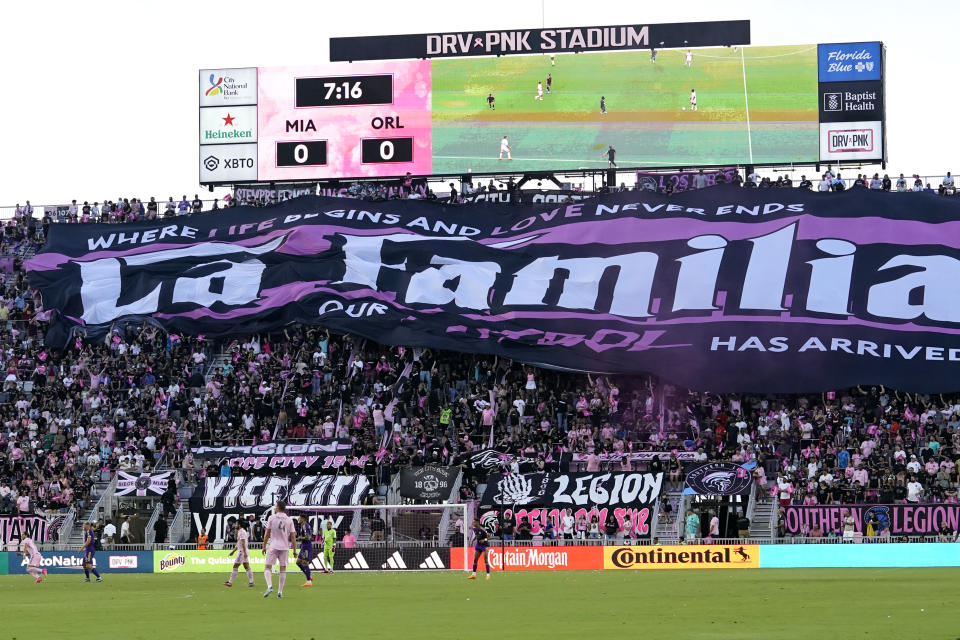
832 102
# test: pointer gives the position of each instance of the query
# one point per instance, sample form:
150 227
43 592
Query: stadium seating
141 399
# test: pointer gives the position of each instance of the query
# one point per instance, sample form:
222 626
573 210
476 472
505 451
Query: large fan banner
726 289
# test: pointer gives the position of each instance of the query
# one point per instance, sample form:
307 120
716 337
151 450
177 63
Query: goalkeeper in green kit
329 542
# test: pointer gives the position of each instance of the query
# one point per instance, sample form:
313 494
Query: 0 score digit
308 153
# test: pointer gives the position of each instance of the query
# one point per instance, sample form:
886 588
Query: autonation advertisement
71 562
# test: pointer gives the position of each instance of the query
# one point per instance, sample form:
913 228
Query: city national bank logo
634 558
225 86
215 86
172 562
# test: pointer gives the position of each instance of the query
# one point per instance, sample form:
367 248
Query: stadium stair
216 363
762 524
88 513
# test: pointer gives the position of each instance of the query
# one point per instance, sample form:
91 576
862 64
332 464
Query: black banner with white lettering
543 500
487 461
488 43
217 500
428 483
322 456
620 489
727 289
268 193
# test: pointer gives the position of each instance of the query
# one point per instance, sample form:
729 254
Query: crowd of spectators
141 397
134 209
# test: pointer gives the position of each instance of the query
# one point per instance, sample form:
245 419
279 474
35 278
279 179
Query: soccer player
243 554
653 55
481 547
329 543
28 549
305 536
505 149
491 102
279 540
553 60
693 99
550 84
689 57
603 105
539 95
89 549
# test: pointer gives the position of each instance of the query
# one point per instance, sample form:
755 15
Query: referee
611 154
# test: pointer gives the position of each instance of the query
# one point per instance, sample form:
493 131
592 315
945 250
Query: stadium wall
776 556
928 554
781 556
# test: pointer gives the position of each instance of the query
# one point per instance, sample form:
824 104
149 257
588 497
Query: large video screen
711 106
453 116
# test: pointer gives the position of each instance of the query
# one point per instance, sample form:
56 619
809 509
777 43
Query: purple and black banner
900 519
725 289
320 456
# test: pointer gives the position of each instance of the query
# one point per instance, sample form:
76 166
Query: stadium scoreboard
313 123
485 115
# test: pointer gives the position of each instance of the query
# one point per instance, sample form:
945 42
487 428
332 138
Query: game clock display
335 91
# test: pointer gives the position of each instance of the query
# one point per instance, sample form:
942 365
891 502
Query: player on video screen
505 149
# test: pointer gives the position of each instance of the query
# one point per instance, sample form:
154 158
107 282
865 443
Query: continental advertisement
719 556
204 561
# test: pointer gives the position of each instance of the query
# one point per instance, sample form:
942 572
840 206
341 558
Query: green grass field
877 604
644 122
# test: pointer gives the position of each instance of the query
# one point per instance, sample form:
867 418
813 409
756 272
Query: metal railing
149 533
104 503
66 528
442 527
176 527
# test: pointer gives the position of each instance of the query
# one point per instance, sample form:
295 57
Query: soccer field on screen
755 104
879 604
